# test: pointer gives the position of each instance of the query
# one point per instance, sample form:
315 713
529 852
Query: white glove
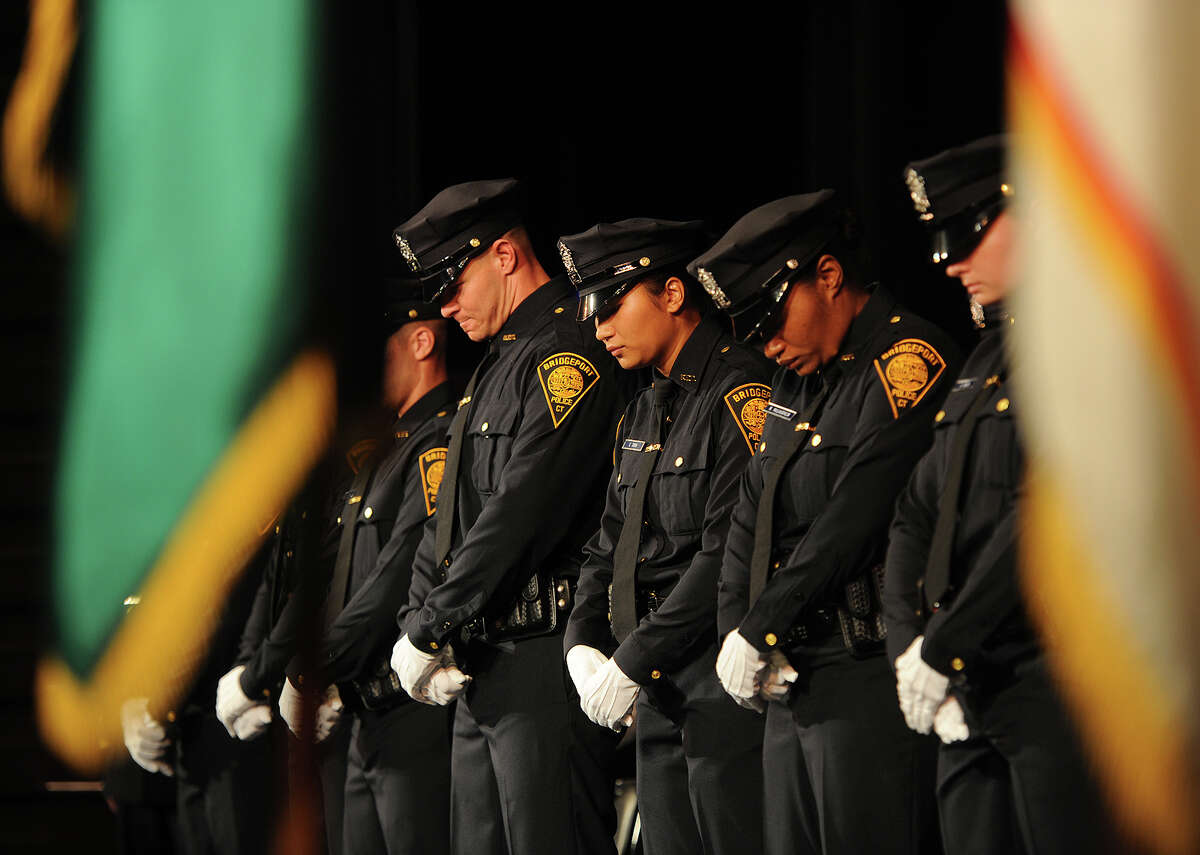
738 665
777 678
231 700
253 723
144 737
413 667
608 696
329 713
291 706
920 688
949 723
444 685
582 663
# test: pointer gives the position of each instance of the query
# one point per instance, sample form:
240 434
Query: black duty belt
646 601
533 612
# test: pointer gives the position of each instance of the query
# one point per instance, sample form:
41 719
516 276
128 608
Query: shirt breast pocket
680 487
491 435
820 463
996 450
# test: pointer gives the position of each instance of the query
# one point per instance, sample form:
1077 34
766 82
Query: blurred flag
1108 354
192 415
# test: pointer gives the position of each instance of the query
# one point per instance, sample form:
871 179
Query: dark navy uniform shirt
535 456
389 522
716 420
836 495
981 620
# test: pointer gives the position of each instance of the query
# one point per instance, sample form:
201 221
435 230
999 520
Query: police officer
282 628
968 664
648 590
799 610
522 491
397 791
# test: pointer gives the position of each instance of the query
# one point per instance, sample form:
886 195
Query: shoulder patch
360 453
565 379
907 370
433 466
748 404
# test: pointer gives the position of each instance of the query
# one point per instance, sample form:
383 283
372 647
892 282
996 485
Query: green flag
192 416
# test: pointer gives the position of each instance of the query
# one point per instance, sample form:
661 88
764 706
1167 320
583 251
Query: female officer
641 642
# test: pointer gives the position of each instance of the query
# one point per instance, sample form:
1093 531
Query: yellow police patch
565 379
433 466
359 453
748 404
907 370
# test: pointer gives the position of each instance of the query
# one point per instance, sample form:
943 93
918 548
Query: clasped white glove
777 678
738 665
291 706
145 738
920 688
949 723
608 695
329 713
582 663
253 723
231 700
433 679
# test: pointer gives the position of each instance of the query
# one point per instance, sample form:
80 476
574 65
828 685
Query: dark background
606 111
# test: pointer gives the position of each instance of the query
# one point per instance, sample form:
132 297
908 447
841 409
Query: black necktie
448 491
937 569
625 556
335 600
765 519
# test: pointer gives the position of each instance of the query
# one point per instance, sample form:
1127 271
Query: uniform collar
879 311
440 397
555 297
693 359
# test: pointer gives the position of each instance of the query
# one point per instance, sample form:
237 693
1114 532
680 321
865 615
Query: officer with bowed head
643 631
494 576
969 665
799 602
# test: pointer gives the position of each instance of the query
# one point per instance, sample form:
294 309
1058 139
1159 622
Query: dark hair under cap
749 270
610 258
459 223
958 194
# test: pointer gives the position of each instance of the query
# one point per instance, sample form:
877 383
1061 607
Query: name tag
633 445
781 412
962 384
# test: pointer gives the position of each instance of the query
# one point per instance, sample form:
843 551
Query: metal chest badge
907 370
433 466
565 379
748 404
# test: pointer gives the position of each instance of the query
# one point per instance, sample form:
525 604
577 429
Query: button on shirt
715 421
980 618
836 495
535 455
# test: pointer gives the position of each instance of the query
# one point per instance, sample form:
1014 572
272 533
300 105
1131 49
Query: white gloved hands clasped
431 678
949 723
608 695
329 713
291 706
920 688
582 663
738 667
233 705
145 738
777 678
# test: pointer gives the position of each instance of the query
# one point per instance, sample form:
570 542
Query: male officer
522 491
968 664
397 781
849 415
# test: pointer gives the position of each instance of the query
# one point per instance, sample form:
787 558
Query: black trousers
228 791
397 796
699 769
843 774
527 775
1019 784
